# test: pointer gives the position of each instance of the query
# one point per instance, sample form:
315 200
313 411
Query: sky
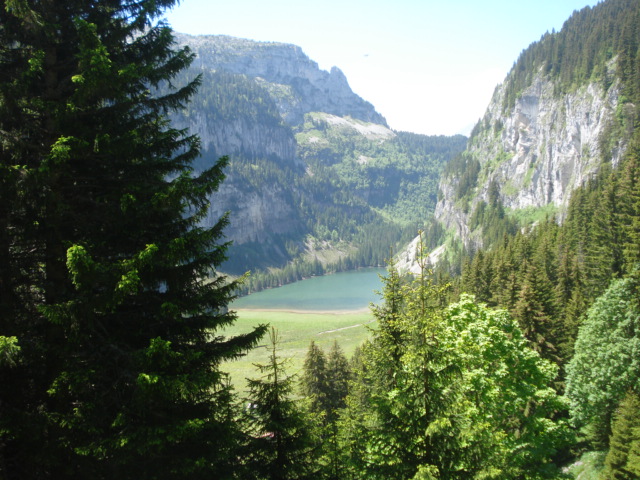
427 66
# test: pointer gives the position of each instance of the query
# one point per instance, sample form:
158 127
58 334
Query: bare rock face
538 152
298 85
242 137
256 215
553 143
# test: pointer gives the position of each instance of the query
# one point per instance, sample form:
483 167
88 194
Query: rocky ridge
297 83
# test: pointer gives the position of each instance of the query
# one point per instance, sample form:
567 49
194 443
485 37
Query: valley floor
296 329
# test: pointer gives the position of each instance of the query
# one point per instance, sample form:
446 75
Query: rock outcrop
538 152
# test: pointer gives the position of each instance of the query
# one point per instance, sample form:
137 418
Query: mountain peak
313 89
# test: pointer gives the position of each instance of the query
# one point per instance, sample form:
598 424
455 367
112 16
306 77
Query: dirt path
346 328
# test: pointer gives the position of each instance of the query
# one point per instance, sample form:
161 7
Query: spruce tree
388 312
630 209
337 380
313 383
534 312
337 389
108 281
280 445
621 463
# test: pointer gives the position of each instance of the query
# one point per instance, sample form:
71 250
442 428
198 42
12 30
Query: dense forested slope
546 200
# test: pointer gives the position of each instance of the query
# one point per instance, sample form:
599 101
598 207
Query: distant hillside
316 175
541 219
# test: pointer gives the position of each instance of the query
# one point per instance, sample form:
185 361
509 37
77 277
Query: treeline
371 247
583 51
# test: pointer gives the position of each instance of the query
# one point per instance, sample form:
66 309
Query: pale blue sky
428 66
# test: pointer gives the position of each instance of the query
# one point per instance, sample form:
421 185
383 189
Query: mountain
296 83
316 176
565 110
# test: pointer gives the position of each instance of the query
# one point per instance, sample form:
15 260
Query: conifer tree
534 313
388 312
337 380
625 440
337 390
280 445
107 280
354 421
313 383
630 208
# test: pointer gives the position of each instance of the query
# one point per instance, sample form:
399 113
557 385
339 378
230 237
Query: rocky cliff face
297 84
538 152
256 215
240 136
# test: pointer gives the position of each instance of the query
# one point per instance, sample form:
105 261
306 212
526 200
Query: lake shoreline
342 293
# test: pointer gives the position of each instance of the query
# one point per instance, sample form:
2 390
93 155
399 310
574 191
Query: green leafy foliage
607 355
9 351
450 393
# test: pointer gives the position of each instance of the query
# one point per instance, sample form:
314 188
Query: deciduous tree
607 358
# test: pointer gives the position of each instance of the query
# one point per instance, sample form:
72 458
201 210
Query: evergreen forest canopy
112 304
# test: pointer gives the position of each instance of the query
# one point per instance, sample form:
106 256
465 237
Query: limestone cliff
538 152
296 82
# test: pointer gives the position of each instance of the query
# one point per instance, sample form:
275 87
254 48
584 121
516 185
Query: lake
344 291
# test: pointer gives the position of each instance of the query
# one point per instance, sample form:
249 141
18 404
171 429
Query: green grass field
296 331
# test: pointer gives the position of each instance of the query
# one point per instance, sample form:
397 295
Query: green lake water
351 290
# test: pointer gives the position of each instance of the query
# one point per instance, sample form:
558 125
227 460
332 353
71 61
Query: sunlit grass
296 331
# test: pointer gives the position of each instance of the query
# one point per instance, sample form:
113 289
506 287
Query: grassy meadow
296 330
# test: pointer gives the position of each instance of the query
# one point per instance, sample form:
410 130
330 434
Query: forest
513 361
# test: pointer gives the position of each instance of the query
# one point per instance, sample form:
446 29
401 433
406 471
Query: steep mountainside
297 85
562 112
536 154
314 170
